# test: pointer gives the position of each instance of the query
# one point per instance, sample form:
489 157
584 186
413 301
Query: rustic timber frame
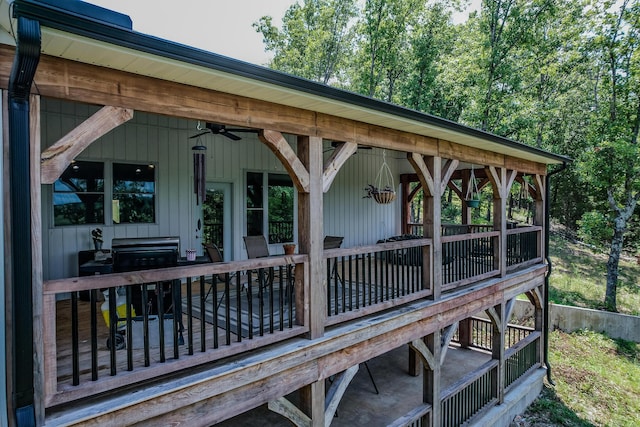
428 316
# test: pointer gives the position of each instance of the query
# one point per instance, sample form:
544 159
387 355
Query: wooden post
539 218
501 180
466 210
465 332
310 238
36 259
499 324
431 382
432 224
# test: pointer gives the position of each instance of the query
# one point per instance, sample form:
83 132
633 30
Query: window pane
254 223
76 209
254 190
280 208
133 193
130 208
133 178
78 195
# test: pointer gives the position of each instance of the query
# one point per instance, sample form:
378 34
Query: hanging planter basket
473 203
472 198
384 197
382 191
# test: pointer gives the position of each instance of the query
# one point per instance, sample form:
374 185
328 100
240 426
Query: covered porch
231 335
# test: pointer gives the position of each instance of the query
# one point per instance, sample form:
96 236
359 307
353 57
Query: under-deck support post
465 332
431 383
499 325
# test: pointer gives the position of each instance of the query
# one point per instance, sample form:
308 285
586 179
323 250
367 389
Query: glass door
216 213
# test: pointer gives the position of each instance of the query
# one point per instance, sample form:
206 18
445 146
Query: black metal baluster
250 306
145 323
75 359
160 305
94 334
203 313
129 327
113 324
239 313
190 317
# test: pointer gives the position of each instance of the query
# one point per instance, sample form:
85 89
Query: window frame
108 195
265 204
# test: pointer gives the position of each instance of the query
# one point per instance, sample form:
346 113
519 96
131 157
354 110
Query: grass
578 278
597 379
597 382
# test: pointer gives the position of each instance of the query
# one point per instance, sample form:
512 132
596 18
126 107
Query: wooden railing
524 246
482 334
368 279
469 395
184 316
415 418
522 357
468 258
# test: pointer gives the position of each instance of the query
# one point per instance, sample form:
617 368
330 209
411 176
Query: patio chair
256 247
334 242
215 256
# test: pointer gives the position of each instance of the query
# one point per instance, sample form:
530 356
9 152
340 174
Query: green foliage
595 228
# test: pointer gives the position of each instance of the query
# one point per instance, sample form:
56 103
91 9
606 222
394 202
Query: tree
612 167
315 39
383 46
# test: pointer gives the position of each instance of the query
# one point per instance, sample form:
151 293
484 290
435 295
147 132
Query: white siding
165 142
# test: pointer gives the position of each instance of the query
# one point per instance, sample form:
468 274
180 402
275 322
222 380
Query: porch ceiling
126 50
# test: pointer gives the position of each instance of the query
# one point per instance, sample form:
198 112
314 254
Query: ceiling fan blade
230 136
200 134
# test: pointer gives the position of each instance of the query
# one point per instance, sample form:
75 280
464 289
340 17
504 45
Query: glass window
275 206
134 188
78 195
255 217
280 208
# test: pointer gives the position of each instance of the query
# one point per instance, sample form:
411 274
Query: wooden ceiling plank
55 159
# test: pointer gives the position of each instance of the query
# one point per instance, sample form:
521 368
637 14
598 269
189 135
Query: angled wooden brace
495 318
339 157
449 332
290 411
283 151
55 159
424 174
336 391
447 170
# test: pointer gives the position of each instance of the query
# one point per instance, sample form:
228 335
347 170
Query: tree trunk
610 303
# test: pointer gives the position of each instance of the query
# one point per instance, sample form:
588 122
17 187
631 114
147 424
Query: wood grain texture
58 156
333 165
283 151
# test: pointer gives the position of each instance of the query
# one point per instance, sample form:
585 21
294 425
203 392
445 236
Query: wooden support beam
426 355
424 175
283 151
454 187
447 171
311 232
449 331
340 155
432 379
336 391
57 157
499 323
508 310
288 410
495 318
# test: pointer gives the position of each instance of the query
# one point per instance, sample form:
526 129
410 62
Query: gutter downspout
25 63
545 321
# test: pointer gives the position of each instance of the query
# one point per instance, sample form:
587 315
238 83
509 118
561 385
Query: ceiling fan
217 129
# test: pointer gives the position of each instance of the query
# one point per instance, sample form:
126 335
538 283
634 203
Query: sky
220 26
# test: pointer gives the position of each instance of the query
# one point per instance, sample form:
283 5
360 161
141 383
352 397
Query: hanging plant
382 191
472 198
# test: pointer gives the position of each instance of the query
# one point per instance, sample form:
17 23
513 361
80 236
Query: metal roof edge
110 27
